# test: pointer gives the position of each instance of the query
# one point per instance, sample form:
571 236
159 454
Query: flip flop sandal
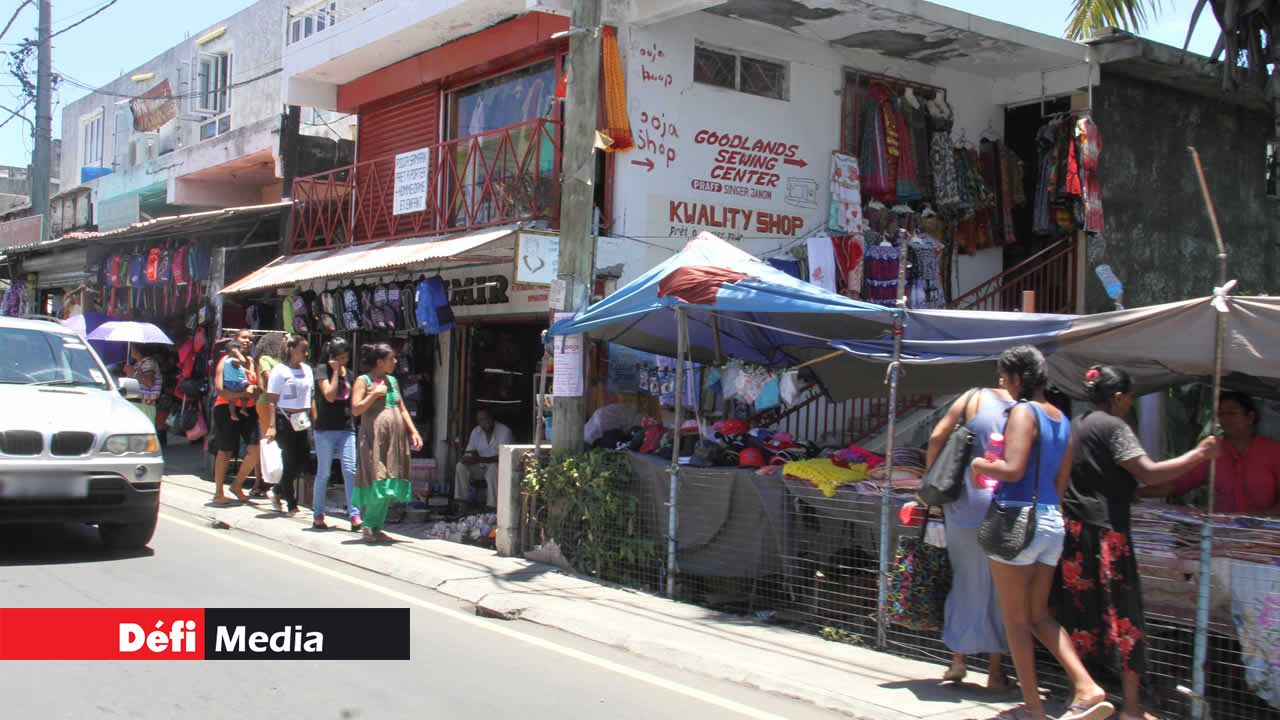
954 675
1098 711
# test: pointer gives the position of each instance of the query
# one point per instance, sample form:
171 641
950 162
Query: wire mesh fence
808 555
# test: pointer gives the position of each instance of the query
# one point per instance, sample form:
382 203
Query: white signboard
413 175
537 258
567 354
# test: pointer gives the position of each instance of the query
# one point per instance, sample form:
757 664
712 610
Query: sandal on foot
1097 711
277 503
319 525
954 675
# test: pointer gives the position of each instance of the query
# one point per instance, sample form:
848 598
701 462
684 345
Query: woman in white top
292 412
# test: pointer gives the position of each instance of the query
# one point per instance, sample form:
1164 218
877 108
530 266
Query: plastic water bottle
995 451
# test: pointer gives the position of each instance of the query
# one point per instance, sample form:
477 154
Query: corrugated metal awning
493 245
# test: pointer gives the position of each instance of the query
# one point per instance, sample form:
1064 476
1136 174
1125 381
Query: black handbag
1007 531
185 418
943 482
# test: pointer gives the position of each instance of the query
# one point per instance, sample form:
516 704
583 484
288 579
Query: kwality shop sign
204 633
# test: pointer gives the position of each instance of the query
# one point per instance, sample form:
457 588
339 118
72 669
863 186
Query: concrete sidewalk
840 677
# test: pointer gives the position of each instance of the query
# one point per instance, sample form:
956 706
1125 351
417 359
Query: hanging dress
1090 142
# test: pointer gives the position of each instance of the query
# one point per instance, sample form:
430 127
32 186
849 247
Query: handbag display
919 581
1007 531
943 482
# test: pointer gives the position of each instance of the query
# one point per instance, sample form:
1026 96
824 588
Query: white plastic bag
270 461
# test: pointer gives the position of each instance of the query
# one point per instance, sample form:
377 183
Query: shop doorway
498 365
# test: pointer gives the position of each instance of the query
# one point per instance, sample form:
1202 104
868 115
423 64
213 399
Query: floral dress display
1097 592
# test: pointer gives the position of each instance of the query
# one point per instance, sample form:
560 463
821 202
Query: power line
180 96
16 12
85 19
17 114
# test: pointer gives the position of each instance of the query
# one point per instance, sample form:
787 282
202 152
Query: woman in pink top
1248 468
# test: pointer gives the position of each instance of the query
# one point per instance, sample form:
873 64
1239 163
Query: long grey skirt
973 623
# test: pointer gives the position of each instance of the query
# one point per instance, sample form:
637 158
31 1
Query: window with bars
744 73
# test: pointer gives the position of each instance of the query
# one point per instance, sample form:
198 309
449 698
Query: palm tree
1246 45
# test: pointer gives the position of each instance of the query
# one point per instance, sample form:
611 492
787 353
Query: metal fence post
882 594
673 513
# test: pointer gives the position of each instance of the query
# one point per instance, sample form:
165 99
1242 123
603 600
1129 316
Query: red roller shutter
409 121
406 122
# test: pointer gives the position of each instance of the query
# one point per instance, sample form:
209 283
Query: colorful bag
919 581
152 273
350 309
434 314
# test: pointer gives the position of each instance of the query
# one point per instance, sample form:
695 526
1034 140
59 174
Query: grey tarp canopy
1161 346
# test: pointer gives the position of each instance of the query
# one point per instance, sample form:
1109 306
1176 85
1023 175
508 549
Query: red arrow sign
646 163
795 161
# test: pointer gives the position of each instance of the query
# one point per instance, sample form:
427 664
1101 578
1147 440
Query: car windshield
33 357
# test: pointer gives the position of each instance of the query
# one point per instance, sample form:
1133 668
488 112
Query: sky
130 32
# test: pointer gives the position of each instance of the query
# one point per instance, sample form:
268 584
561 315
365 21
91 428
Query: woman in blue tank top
1036 469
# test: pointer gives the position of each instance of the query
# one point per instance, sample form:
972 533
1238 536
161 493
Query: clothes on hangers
822 262
873 159
881 271
845 215
850 251
924 285
946 184
1089 141
907 186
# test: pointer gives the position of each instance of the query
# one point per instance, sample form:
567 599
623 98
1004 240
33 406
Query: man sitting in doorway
480 459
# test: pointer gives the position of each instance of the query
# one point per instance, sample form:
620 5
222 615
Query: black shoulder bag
1007 531
943 482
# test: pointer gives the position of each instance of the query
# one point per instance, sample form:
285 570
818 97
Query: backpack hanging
350 308
435 315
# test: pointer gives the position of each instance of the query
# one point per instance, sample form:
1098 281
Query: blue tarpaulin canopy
737 307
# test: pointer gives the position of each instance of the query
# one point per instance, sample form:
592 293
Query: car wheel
128 537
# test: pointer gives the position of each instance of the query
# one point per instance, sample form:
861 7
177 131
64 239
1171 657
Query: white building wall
669 112
254 38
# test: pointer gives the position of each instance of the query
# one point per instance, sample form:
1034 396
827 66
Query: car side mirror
130 389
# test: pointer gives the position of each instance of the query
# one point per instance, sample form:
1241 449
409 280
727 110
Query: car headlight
131 445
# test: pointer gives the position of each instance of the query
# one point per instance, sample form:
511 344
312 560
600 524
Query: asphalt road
462 666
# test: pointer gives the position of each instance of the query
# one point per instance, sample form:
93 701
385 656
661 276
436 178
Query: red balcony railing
494 178
1051 273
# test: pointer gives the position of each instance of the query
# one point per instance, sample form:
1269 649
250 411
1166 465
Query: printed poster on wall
624 368
567 356
413 171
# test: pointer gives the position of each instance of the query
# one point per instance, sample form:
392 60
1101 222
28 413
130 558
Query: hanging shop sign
22 232
118 212
537 258
154 108
413 170
488 290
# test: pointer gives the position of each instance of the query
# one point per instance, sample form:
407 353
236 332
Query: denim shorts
1046 546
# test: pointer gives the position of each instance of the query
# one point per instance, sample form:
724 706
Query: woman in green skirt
386 434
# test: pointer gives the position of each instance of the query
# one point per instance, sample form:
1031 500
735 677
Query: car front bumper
89 490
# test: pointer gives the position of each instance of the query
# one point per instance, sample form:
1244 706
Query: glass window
503 101
212 80
732 71
763 78
713 67
34 357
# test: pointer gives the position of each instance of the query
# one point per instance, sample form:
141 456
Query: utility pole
577 197
42 158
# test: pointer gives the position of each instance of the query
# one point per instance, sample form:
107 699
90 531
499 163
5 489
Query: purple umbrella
87 323
125 331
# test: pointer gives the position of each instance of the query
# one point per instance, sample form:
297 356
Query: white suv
72 447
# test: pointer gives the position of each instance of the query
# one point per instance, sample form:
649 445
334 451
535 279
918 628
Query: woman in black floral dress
1097 597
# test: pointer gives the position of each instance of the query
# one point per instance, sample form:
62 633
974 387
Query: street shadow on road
931 690
58 545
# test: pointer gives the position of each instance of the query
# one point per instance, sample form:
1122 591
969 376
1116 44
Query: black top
333 415
1101 490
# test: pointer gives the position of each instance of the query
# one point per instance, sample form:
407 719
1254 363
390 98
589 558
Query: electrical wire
85 19
16 12
17 114
180 96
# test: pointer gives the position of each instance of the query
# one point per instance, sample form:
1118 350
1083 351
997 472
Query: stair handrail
996 283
